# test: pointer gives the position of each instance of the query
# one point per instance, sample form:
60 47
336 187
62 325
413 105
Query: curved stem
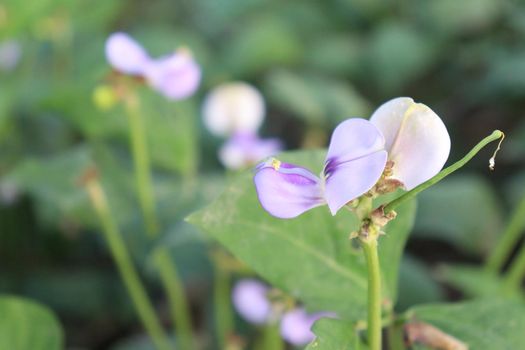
374 293
125 266
447 171
510 237
170 279
223 308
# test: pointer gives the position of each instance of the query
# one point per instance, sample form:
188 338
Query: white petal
233 108
417 140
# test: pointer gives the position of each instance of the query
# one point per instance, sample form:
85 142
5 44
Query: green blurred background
316 62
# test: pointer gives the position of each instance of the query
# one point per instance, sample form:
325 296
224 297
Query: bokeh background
316 63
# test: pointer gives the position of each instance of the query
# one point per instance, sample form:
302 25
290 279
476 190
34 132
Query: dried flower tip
492 160
426 334
380 218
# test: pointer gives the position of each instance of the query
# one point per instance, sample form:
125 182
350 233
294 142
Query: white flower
416 140
233 108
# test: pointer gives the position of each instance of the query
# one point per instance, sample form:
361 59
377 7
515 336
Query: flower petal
351 179
125 54
176 76
285 190
296 326
250 299
353 138
233 108
417 140
242 151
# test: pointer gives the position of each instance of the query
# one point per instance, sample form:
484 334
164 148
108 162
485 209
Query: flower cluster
176 76
236 110
251 300
404 143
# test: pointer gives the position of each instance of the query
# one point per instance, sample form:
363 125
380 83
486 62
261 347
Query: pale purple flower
296 326
10 52
416 139
244 150
233 108
251 301
355 161
176 76
125 54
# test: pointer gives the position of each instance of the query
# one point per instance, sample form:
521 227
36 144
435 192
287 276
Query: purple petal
10 52
352 139
296 326
417 140
251 302
285 190
352 179
176 76
125 54
355 161
246 150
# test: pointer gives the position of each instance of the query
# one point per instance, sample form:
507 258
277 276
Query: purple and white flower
408 134
296 326
176 76
244 150
250 299
355 161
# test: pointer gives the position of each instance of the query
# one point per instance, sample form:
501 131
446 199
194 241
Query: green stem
168 272
177 299
374 293
125 266
445 172
223 313
142 164
270 339
517 270
510 237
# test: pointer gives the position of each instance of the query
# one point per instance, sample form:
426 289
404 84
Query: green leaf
309 257
416 285
332 334
26 325
485 324
472 211
474 281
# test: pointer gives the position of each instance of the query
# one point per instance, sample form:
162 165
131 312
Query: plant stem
169 276
510 237
177 299
516 272
445 172
270 339
374 293
142 164
223 314
125 266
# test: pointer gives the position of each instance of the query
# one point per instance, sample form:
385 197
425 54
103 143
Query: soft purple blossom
244 150
416 139
250 299
10 52
233 108
296 326
176 76
355 161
